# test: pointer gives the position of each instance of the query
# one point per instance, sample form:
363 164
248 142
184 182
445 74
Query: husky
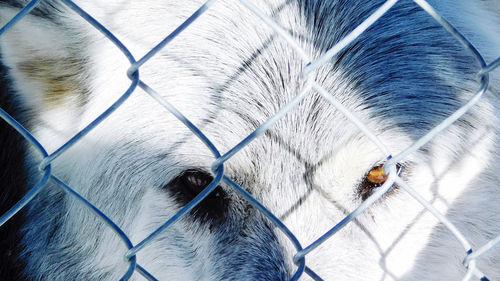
228 72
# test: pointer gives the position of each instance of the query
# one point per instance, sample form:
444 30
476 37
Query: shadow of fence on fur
218 166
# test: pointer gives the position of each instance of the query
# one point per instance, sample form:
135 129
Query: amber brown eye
377 175
375 178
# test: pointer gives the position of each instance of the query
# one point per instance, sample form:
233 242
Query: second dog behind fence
260 140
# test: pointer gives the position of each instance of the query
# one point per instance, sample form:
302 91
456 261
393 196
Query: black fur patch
184 188
13 186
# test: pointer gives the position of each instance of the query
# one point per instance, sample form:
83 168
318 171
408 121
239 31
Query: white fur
123 164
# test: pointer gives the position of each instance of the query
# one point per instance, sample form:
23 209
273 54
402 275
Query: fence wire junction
470 256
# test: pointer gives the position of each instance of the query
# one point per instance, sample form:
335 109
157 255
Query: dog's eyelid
192 177
198 179
375 178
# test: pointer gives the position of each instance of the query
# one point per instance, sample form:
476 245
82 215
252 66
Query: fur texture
228 73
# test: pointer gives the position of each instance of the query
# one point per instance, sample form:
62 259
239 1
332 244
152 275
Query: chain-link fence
302 251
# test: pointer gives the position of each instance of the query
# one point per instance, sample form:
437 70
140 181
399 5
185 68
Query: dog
229 72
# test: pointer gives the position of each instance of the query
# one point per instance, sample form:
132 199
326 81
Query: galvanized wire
310 85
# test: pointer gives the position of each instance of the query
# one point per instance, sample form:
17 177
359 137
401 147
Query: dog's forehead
298 143
238 83
230 87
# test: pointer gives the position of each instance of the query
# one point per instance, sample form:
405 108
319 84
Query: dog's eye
188 185
377 175
375 178
194 182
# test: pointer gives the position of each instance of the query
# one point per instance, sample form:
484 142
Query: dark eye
188 185
375 178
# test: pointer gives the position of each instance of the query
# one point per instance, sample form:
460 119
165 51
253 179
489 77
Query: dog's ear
44 62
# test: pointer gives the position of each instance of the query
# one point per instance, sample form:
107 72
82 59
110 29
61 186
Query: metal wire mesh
218 166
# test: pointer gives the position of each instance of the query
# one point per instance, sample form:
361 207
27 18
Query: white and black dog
229 72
